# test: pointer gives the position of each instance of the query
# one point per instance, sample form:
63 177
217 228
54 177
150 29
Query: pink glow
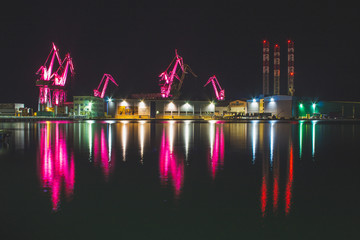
217 151
56 165
105 79
288 191
102 155
166 79
220 93
170 166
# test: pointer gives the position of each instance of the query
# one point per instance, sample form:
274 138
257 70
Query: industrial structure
167 78
219 93
266 70
105 79
167 105
291 68
51 83
276 69
88 106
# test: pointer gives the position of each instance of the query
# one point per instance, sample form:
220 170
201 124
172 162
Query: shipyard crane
46 77
45 72
60 77
176 88
220 94
167 78
104 79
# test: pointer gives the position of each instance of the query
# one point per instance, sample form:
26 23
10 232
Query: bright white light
212 105
254 100
314 105
171 106
187 105
142 104
271 99
124 104
109 99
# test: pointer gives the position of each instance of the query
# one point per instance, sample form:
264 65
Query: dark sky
134 41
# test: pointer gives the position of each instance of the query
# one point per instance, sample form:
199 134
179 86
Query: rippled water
155 180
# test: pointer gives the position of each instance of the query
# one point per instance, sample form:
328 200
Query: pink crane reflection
217 148
171 166
56 167
103 153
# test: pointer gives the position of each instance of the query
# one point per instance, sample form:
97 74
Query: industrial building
181 109
310 108
278 106
88 106
11 109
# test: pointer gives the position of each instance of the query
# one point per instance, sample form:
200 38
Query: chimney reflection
264 186
288 191
271 165
56 167
217 148
171 166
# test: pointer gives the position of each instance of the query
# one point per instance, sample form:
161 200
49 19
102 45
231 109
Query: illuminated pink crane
104 79
60 77
46 75
167 78
220 94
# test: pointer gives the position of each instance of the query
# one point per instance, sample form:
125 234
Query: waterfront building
11 109
88 106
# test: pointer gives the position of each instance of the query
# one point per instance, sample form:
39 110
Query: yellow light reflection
187 139
124 138
142 140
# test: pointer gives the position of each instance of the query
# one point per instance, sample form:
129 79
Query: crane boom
220 94
166 79
106 77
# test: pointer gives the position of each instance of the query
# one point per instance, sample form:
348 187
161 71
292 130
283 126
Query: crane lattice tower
266 90
276 69
291 68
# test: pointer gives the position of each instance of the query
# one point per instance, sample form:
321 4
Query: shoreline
39 119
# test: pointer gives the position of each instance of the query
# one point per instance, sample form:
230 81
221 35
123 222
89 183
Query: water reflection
313 138
289 182
103 156
217 148
254 139
267 148
124 134
301 125
271 174
171 164
56 167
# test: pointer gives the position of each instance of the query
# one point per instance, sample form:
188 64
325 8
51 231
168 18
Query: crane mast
59 93
166 79
220 93
106 77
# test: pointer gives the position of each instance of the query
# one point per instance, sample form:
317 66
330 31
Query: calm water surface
180 180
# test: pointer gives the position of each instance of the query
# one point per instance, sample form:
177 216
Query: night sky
134 41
